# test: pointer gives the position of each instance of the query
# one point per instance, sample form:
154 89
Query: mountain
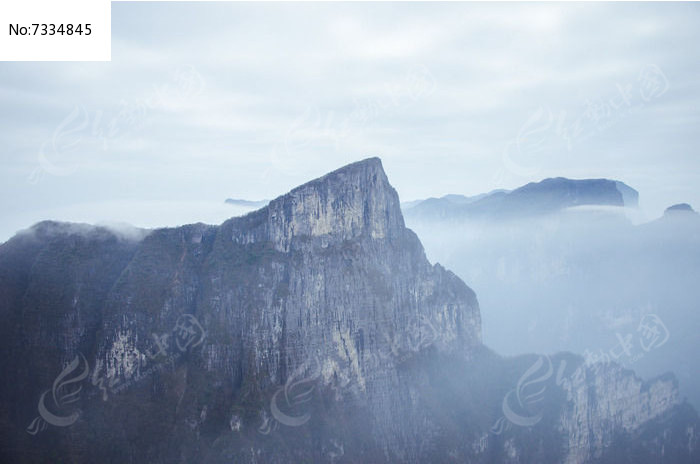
246 203
452 199
683 208
445 204
547 196
311 330
580 279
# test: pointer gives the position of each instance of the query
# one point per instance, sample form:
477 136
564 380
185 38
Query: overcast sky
207 101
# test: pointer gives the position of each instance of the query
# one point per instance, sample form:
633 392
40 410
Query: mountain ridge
323 295
532 199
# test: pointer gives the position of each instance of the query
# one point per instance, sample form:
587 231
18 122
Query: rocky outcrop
607 401
313 329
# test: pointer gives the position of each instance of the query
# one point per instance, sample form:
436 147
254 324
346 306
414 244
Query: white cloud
210 100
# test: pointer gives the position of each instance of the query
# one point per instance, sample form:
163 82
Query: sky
206 101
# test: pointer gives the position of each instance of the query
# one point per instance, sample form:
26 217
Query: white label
55 30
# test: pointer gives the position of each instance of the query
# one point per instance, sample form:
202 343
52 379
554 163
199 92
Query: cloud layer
207 101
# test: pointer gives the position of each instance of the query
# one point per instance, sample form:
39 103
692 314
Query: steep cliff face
608 402
313 329
325 282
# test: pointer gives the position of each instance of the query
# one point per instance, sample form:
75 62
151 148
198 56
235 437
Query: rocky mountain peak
311 329
355 200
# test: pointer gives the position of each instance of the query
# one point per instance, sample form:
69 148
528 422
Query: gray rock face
313 329
336 271
597 396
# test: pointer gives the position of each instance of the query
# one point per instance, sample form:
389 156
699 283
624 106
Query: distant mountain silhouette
248 203
310 329
679 208
536 198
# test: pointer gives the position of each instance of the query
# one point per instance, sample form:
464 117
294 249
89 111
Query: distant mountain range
556 271
452 199
313 330
246 203
536 198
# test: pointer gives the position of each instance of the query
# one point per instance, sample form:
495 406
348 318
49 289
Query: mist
584 280
129 213
154 309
